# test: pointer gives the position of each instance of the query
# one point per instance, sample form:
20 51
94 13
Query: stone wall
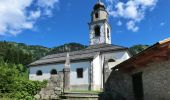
52 91
156 80
118 86
155 77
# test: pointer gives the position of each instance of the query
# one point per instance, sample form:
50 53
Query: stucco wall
98 66
103 34
97 73
73 75
74 81
46 69
102 15
117 56
108 38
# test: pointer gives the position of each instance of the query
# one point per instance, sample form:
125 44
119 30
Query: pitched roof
155 53
87 53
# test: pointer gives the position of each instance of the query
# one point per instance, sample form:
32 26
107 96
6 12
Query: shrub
15 84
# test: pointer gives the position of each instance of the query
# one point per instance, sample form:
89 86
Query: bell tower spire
100 30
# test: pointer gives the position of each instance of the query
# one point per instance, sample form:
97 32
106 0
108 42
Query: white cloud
162 24
48 5
119 23
17 15
131 26
132 10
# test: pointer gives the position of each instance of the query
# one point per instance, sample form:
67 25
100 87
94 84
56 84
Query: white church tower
100 30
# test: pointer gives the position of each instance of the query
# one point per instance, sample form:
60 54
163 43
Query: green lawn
86 91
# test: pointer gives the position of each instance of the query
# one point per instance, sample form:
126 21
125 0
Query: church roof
88 53
99 5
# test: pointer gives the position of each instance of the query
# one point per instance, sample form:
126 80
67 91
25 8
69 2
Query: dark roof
99 5
87 53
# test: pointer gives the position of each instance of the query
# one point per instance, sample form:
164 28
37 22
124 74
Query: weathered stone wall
156 80
118 87
52 91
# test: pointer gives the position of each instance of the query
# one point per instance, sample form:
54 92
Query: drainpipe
103 68
91 75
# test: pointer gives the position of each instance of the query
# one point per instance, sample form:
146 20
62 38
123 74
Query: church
86 69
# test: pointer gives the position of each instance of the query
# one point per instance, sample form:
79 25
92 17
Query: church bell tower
100 30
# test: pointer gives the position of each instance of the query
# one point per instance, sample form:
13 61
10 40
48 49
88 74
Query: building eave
159 48
61 62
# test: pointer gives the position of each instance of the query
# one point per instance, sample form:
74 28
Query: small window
108 32
96 15
79 72
53 72
39 73
111 63
97 31
111 60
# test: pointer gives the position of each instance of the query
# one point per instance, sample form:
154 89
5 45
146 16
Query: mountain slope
137 48
67 48
20 53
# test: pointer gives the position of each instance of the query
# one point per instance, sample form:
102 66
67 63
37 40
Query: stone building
84 69
145 76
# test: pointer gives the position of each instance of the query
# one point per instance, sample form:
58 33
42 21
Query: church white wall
117 56
97 73
108 40
46 69
73 76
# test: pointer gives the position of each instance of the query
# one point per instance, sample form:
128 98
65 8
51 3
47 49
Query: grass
86 91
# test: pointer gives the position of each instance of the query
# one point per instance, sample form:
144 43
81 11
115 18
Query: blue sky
57 22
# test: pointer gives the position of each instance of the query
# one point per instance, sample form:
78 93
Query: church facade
85 69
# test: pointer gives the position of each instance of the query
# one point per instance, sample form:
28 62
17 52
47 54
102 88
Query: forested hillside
67 48
137 48
20 53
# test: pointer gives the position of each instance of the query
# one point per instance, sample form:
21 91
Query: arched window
39 73
111 63
53 72
96 15
97 31
111 60
108 32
